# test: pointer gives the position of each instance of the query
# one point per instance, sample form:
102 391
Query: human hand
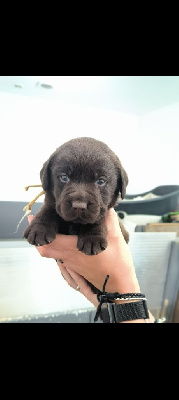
116 261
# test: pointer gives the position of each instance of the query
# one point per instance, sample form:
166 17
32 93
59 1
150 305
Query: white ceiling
131 94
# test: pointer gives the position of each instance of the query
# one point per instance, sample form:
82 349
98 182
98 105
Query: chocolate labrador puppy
82 179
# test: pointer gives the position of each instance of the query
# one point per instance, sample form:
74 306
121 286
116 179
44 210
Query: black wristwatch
114 313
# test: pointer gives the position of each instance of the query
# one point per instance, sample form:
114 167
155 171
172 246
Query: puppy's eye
101 181
64 178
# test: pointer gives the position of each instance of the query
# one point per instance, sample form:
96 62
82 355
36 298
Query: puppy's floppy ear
122 182
121 185
45 175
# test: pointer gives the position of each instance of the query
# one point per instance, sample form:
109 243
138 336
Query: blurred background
138 118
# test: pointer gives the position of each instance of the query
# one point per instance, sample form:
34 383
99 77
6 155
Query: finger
85 289
79 280
74 280
59 247
30 218
67 276
112 222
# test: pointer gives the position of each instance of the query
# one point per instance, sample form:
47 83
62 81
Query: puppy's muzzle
79 206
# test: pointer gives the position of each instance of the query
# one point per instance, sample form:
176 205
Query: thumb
112 222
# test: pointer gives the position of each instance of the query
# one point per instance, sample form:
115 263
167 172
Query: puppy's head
84 177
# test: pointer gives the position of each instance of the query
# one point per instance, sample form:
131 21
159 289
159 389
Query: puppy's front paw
91 245
38 234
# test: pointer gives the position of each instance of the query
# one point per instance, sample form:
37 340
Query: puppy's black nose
79 205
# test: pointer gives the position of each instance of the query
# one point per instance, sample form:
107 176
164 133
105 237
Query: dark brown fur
82 179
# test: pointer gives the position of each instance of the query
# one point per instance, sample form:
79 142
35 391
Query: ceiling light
17 85
46 86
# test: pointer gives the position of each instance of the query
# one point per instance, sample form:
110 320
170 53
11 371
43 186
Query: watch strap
114 313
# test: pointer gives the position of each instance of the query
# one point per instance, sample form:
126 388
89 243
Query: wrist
111 312
125 283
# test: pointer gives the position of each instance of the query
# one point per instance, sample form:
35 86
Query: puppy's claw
39 235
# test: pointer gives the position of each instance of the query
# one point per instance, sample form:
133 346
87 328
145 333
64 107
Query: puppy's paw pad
39 235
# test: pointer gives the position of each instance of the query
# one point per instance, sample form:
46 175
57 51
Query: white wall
159 142
31 129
